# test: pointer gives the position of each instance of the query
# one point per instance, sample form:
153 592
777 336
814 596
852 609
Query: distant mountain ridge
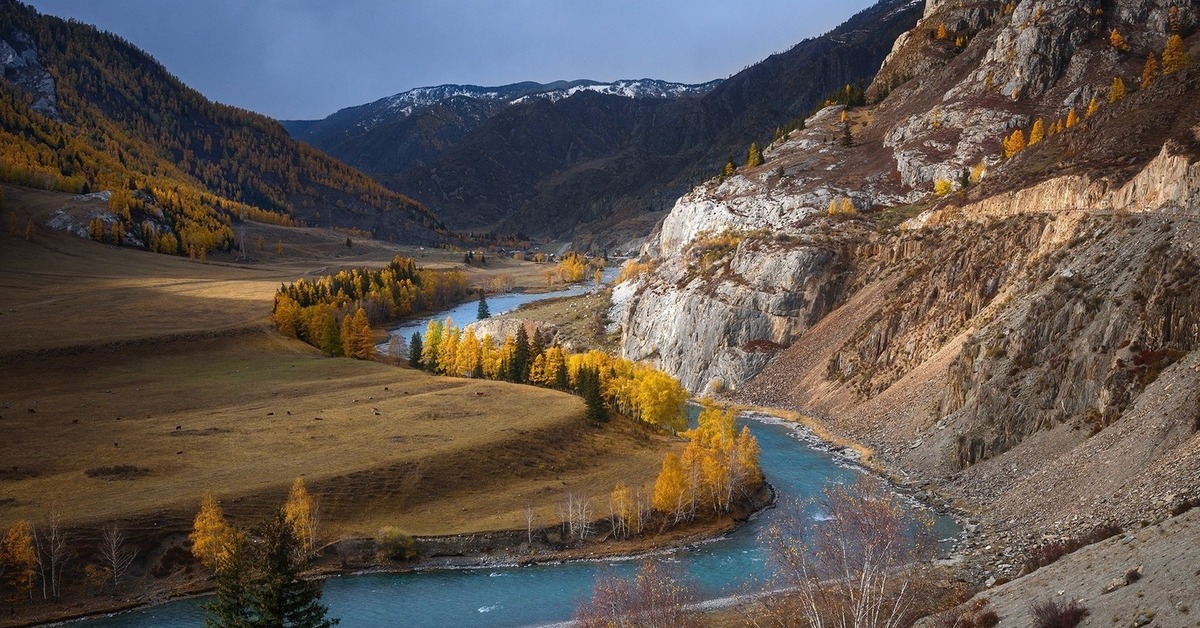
413 128
558 156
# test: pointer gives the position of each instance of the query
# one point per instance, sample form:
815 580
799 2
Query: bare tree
116 555
576 514
860 567
52 553
530 517
656 596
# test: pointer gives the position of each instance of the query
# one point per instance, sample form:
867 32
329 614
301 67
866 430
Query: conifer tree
1038 132
1149 71
1072 118
518 366
753 156
1174 57
729 169
280 597
212 538
260 586
414 350
230 606
483 311
942 33
1092 108
1117 41
1117 92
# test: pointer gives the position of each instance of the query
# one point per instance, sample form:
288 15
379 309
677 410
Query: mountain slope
598 158
1019 329
84 110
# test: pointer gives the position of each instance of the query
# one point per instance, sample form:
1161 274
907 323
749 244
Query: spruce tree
518 367
414 350
260 587
484 311
280 596
230 606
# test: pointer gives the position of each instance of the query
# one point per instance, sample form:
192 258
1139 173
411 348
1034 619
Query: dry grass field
133 382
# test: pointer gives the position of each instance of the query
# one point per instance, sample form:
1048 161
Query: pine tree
260 586
414 350
753 156
1174 57
518 366
483 311
942 33
1149 71
1117 92
1092 108
280 597
231 605
729 169
1072 118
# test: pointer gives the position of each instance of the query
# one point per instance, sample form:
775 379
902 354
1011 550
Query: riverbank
488 550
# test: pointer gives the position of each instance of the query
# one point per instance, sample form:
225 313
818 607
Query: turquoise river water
546 594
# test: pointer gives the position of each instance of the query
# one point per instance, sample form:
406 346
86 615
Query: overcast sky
309 58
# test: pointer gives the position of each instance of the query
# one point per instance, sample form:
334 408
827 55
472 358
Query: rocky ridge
1026 339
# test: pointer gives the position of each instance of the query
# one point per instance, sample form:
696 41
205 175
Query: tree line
335 312
607 384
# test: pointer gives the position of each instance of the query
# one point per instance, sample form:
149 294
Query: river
541 594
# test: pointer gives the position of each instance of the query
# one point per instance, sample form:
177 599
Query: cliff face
1024 318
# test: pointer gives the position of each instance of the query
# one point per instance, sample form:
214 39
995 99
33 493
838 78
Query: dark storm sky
308 58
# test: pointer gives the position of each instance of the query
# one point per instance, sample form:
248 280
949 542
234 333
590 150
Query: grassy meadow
133 382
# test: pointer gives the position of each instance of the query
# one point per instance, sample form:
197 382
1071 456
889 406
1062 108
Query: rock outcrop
1009 333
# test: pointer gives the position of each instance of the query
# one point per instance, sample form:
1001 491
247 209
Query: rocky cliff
1004 322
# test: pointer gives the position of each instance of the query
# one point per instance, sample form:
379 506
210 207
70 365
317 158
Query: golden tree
300 512
1038 132
18 558
1014 143
212 537
1117 92
753 156
942 33
1174 57
1117 41
670 489
621 510
1149 71
1092 108
661 400
1072 118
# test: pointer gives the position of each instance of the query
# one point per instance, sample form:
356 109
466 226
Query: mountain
83 110
584 153
415 127
988 277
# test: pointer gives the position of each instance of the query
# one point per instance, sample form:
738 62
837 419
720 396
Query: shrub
396 544
1057 614
942 187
